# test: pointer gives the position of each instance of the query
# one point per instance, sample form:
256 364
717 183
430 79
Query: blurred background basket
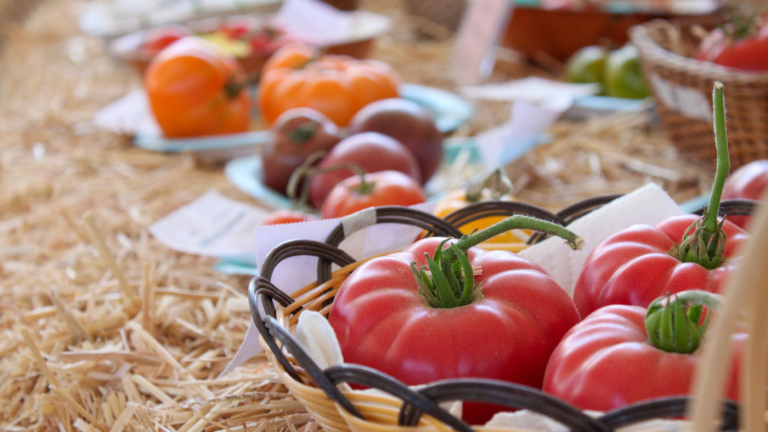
540 32
682 87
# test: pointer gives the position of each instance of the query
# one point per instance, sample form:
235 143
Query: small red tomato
236 28
260 43
373 152
296 134
161 38
407 122
620 355
749 181
748 53
280 217
194 89
381 188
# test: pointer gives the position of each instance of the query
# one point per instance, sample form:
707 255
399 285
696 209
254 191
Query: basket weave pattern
747 96
338 409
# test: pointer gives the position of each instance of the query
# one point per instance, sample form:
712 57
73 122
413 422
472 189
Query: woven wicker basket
682 88
400 408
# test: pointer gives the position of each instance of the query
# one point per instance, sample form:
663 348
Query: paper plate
450 112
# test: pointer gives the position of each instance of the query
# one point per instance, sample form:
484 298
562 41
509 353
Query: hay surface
103 328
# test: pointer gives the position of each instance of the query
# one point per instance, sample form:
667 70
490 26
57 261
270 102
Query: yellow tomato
511 240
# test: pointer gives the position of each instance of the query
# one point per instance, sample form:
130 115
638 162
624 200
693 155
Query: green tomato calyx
447 281
671 328
303 132
704 241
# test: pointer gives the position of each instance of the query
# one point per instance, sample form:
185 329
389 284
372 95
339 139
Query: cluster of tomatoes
446 309
196 89
239 36
392 147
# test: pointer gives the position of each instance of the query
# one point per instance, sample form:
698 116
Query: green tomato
587 65
623 76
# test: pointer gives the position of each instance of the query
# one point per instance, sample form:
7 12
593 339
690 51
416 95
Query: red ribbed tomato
641 263
506 330
747 182
621 355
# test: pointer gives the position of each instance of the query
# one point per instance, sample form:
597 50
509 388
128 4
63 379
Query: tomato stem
303 132
704 241
301 173
306 170
234 85
450 282
723 159
520 222
673 329
501 186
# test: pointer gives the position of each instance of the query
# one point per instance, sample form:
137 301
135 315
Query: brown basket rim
640 36
410 417
278 324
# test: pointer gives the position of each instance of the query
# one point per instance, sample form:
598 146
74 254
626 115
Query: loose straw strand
106 255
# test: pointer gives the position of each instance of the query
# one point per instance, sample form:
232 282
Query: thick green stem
673 329
520 222
723 160
704 242
450 282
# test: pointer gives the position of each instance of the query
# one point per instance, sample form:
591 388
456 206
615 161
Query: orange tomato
293 56
337 86
195 89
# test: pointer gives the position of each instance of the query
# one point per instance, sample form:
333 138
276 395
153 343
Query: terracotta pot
560 33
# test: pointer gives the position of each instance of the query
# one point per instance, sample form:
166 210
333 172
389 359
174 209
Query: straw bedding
103 328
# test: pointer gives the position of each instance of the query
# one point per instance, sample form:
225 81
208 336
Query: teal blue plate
450 112
246 172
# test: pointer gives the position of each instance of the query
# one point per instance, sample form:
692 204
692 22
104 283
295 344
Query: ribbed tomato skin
507 334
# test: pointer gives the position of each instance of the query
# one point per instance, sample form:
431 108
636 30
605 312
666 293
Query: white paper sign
212 225
531 90
474 51
685 100
647 205
128 115
510 141
374 240
315 21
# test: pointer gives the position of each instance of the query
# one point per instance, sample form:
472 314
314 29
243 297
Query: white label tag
508 142
646 205
474 50
685 100
296 272
315 21
128 115
357 221
531 90
212 225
